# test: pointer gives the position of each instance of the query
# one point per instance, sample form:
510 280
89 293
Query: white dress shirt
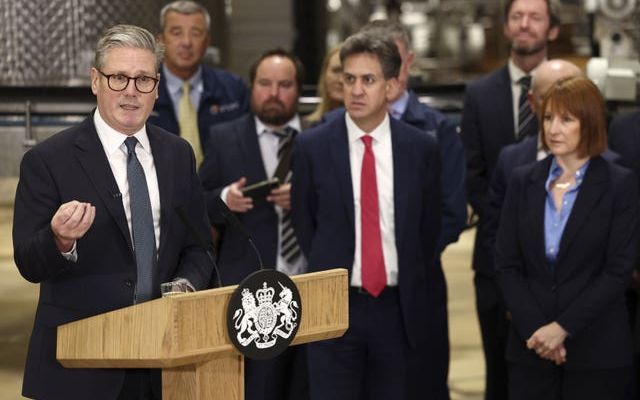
516 74
383 153
116 151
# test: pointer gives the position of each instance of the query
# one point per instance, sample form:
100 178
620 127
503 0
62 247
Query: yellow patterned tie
188 122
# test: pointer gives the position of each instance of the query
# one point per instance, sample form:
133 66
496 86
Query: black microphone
115 194
232 220
205 244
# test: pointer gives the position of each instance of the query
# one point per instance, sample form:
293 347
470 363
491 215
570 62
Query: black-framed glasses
119 82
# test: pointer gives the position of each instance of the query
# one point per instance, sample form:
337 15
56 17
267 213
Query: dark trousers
141 384
557 383
372 360
284 377
493 328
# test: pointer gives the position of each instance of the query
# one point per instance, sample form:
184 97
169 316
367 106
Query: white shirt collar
112 140
261 127
516 73
355 133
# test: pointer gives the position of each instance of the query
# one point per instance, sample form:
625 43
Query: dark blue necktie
144 240
526 118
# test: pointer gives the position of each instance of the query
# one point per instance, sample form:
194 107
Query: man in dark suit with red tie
366 196
495 114
95 220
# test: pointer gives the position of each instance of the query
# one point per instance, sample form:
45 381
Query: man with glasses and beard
496 113
250 150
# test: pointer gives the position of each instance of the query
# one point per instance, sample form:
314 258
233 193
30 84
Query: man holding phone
246 164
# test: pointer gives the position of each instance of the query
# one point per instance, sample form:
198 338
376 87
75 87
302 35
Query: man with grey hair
95 222
192 96
366 196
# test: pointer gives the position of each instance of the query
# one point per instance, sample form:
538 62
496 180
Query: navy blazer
72 165
487 126
224 98
323 214
584 292
624 138
233 152
454 199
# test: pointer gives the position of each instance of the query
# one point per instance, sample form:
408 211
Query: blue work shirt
555 220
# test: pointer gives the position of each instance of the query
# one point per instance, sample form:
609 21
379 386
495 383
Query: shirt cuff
223 194
185 282
71 255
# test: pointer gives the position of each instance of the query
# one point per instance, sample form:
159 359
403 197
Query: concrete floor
18 300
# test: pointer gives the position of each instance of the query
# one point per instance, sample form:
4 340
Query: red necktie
374 277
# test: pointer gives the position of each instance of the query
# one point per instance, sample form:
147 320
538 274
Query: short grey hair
186 8
127 36
383 48
391 29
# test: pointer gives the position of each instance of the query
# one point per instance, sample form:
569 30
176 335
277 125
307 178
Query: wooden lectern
186 336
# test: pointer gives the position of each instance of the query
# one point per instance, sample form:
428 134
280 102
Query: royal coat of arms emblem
267 317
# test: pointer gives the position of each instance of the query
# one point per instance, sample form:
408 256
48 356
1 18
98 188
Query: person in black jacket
565 249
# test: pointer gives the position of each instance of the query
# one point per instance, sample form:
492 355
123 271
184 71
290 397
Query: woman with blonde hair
329 86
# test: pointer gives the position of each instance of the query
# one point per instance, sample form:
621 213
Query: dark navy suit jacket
233 152
487 126
323 214
72 165
454 200
225 97
624 139
584 291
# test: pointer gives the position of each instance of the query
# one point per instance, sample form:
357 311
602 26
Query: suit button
553 289
128 283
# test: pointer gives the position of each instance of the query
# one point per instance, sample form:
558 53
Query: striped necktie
188 121
289 248
525 115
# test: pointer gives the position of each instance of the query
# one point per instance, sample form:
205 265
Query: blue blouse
555 220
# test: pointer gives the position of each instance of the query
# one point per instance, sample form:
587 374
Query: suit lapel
535 205
250 149
162 159
94 162
339 149
504 105
401 174
592 188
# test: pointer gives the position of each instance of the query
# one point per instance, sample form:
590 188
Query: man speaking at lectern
95 218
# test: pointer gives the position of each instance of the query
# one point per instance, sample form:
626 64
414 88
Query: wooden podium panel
186 335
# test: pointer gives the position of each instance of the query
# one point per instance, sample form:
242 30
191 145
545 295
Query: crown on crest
265 295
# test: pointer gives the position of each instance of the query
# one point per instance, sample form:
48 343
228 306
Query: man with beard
249 150
191 96
496 113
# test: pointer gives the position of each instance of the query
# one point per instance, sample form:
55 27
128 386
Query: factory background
46 49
